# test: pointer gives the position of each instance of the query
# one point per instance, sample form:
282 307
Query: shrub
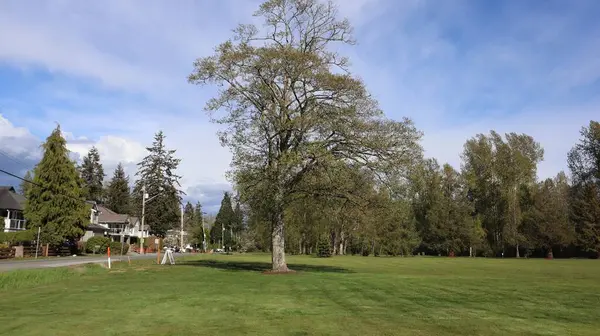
19 237
324 247
91 244
115 248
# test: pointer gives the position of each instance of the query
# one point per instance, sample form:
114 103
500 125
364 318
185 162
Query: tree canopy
293 109
92 174
118 196
157 175
55 200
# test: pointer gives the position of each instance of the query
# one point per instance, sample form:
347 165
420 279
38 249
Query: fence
43 251
7 253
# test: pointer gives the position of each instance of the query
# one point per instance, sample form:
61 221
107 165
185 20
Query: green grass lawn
229 295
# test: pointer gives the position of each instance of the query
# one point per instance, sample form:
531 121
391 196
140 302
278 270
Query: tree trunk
278 245
518 255
341 248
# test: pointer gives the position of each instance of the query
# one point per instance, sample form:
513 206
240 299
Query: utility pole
223 236
143 215
203 234
182 247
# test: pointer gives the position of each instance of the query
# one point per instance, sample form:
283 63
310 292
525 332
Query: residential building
11 209
118 227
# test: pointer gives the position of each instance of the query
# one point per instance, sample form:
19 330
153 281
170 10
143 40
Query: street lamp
223 236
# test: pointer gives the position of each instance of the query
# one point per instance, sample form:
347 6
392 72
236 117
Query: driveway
64 261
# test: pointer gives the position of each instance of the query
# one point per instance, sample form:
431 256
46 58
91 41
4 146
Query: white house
11 210
119 227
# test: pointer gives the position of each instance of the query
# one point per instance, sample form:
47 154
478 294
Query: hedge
102 242
115 248
18 237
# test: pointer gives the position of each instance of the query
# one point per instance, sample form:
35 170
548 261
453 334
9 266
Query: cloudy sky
113 72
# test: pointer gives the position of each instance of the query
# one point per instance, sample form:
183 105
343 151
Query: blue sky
114 72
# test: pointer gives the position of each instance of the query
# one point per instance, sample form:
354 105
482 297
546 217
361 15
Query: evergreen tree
549 217
92 174
198 233
55 202
118 193
156 172
223 223
324 247
584 163
189 217
25 186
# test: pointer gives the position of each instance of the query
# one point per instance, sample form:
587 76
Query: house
118 227
11 209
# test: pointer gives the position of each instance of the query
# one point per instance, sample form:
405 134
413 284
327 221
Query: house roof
96 228
108 216
9 199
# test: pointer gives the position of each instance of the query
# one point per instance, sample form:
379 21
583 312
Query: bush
324 247
115 248
91 244
19 237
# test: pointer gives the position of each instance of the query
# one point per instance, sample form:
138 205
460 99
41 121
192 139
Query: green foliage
284 113
25 185
92 174
585 212
156 172
19 237
496 168
118 193
224 222
92 242
547 220
55 202
115 248
324 247
584 163
442 208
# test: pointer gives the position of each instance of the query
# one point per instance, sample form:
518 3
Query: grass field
228 295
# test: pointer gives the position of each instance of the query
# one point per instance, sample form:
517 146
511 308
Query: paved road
64 261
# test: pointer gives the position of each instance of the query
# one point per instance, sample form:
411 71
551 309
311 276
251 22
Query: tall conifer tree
117 193
92 174
157 173
55 201
225 219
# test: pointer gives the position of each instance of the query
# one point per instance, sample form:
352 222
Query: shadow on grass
262 266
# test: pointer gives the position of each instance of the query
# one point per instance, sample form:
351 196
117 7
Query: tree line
59 192
493 206
315 159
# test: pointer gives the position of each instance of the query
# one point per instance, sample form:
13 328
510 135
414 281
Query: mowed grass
229 295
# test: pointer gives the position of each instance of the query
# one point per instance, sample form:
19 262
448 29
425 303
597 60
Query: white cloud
119 71
17 142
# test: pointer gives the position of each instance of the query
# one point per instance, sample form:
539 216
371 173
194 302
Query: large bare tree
292 108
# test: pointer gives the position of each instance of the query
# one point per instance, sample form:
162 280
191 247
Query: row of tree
59 192
493 206
315 158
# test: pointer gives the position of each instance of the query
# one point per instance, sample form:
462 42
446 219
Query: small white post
37 243
109 258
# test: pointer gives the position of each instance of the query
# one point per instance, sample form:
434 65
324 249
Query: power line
36 184
10 157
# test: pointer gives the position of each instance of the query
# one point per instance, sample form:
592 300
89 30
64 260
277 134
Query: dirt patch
271 272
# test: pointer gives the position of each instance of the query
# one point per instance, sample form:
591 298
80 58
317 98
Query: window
17 224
